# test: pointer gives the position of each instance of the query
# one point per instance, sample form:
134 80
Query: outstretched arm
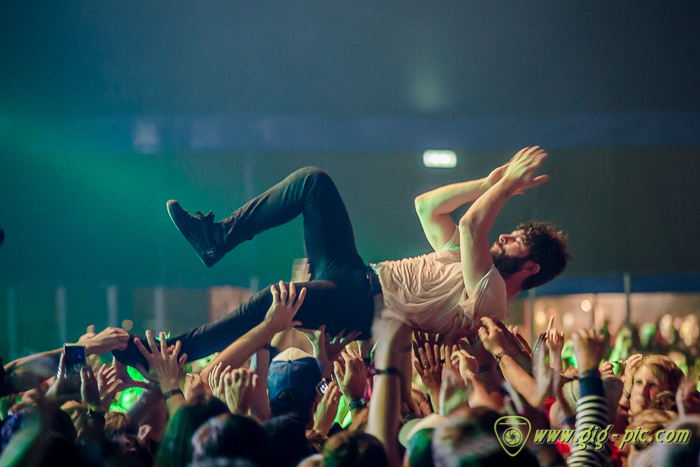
26 373
278 318
434 207
474 226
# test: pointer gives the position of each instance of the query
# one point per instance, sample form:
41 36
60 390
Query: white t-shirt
428 291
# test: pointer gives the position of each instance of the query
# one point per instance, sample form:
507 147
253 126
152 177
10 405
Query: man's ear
531 268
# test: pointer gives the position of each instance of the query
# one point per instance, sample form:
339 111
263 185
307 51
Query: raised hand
327 409
454 391
429 338
496 338
541 371
496 175
216 380
461 325
351 380
467 364
107 340
194 386
239 390
317 339
630 370
89 391
588 349
108 384
428 366
335 345
121 373
285 305
260 403
58 391
555 344
521 169
163 367
522 342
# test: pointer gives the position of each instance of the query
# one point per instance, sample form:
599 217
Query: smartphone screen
74 358
322 387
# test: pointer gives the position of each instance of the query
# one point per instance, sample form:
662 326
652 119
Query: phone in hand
74 359
322 387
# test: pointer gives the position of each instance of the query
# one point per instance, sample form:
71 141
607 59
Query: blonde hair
664 369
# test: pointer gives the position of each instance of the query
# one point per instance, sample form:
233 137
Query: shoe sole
174 206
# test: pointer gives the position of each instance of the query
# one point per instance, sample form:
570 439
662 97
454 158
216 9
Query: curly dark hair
548 248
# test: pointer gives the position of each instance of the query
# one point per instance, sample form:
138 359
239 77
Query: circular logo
512 437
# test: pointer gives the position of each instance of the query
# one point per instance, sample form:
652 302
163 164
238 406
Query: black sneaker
199 231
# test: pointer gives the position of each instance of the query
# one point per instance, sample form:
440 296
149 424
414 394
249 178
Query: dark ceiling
451 58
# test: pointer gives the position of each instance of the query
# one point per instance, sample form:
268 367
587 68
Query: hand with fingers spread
335 345
352 380
429 338
216 380
285 305
327 409
108 384
428 364
163 367
239 390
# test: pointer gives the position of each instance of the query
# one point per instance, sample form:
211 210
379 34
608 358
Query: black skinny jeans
338 294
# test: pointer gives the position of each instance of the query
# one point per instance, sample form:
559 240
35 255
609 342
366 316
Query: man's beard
507 265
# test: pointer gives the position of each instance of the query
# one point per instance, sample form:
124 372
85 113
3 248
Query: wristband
483 368
357 404
626 394
500 355
170 394
387 371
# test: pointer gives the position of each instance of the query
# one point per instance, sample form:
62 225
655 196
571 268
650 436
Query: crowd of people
400 363
280 397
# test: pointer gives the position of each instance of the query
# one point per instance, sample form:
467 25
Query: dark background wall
77 219
108 109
